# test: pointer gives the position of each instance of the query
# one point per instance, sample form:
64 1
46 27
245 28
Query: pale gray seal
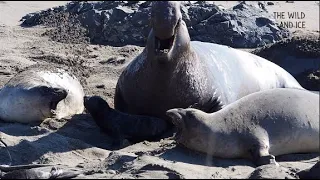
40 92
173 71
258 126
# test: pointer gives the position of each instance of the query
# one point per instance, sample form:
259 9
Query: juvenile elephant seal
174 72
259 126
40 92
119 125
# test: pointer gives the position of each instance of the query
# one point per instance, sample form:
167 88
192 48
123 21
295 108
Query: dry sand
76 142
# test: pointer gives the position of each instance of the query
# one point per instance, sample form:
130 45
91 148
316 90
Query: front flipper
214 104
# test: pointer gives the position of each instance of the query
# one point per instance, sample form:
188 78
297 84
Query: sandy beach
76 143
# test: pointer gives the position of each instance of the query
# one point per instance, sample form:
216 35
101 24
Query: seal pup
259 126
312 173
121 126
40 92
173 71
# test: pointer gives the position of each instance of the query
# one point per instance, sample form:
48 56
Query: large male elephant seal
258 126
174 72
40 92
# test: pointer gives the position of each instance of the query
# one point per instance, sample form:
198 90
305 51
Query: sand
76 142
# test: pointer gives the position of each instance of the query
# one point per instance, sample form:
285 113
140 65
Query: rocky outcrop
299 55
120 23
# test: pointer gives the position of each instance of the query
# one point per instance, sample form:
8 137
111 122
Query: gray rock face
120 23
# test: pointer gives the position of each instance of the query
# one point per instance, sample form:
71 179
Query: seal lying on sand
119 125
259 126
28 172
40 92
173 72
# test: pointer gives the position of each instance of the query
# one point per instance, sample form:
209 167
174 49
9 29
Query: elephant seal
40 92
27 172
119 125
258 126
173 71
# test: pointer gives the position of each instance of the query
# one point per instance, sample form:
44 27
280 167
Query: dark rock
121 23
299 55
270 3
102 86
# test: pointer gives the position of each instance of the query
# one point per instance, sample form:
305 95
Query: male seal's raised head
169 35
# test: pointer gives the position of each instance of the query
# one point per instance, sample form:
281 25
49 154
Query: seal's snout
165 17
94 102
175 116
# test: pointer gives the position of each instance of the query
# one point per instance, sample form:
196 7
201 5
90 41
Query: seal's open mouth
163 46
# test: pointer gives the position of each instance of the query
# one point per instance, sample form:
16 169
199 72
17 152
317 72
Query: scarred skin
205 76
259 126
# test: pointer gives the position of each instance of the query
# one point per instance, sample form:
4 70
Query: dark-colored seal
119 125
40 92
258 126
174 72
